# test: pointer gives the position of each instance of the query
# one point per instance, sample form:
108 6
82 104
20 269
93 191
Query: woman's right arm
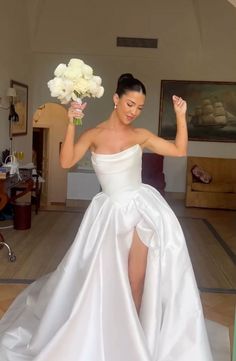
71 153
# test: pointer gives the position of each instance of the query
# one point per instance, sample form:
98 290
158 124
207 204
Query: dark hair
127 82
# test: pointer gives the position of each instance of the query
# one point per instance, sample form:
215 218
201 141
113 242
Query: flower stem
77 121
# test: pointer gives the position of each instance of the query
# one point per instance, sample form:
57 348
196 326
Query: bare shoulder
90 133
142 131
143 135
101 125
89 136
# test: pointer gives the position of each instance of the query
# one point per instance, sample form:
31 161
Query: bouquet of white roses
75 81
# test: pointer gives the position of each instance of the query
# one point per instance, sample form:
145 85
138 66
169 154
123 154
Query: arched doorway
49 127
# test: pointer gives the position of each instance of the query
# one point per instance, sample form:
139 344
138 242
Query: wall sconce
8 103
11 92
13 116
5 104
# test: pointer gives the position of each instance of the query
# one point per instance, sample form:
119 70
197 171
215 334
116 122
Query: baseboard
77 202
83 202
57 203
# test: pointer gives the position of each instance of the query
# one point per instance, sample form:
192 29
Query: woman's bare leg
137 263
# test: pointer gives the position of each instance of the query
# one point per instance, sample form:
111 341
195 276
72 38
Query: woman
116 134
125 290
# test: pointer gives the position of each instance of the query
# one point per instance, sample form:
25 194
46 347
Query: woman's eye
129 105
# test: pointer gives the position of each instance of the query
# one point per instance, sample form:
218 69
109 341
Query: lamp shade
11 92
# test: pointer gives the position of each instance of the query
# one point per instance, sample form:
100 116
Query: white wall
196 41
15 62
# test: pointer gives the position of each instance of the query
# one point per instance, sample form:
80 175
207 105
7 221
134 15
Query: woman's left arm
164 147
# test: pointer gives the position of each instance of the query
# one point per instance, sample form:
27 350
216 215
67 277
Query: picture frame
20 127
211 109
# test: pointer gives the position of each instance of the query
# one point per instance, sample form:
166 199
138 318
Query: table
12 188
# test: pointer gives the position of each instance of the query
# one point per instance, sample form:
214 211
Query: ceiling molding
233 2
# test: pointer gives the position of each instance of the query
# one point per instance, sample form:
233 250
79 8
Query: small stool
22 215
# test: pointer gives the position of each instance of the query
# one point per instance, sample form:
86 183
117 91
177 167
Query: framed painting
19 127
211 113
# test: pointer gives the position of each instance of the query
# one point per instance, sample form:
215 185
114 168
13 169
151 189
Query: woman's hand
76 111
180 105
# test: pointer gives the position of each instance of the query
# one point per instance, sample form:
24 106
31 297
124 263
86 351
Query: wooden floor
40 248
218 306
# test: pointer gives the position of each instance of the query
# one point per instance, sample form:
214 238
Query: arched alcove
49 126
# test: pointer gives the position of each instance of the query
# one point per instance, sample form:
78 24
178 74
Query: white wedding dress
84 310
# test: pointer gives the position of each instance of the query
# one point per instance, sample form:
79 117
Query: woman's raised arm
164 147
71 153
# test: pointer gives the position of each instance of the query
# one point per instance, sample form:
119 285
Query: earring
115 106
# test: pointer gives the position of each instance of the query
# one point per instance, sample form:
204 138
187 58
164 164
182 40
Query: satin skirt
84 310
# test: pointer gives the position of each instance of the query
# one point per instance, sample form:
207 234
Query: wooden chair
4 199
36 188
36 191
16 187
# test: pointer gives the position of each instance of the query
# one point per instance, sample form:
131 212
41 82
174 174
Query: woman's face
129 106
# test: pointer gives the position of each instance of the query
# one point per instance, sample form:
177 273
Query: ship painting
211 114
211 110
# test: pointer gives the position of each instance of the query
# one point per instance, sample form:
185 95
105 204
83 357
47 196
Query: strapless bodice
120 172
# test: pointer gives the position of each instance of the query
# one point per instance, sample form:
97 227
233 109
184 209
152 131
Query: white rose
73 73
67 91
64 100
75 63
56 86
87 71
100 92
76 98
92 87
60 70
81 86
97 79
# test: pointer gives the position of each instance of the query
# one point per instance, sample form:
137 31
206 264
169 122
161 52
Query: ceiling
233 2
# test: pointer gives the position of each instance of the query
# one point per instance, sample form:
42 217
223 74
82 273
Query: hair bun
126 76
127 82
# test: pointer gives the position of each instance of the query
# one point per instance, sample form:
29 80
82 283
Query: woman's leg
137 263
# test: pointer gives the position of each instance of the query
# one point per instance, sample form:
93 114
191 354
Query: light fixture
11 92
6 104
